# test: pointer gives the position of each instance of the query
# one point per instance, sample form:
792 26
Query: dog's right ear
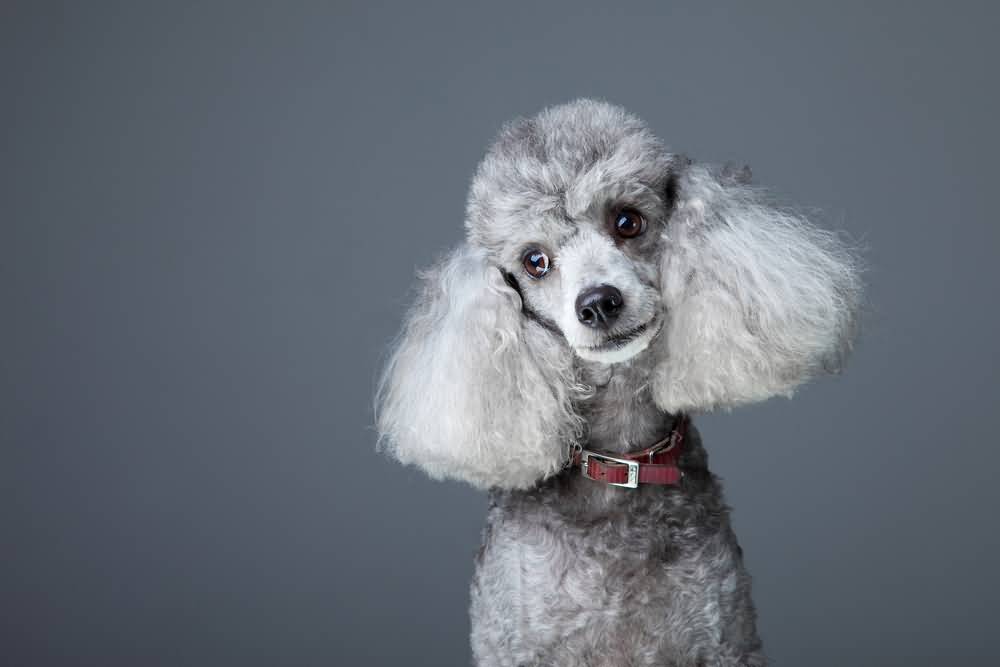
474 389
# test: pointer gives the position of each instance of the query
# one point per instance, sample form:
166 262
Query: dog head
588 241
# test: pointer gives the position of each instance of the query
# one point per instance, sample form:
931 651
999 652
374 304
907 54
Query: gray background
211 218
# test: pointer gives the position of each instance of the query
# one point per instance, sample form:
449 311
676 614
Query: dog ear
757 299
475 390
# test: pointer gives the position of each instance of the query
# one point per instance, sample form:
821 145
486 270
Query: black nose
598 307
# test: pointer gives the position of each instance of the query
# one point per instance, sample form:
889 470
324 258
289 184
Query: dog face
587 239
574 214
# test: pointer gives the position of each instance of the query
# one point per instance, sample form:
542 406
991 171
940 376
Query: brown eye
628 224
536 263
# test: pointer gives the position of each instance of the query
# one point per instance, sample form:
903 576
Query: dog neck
620 413
621 418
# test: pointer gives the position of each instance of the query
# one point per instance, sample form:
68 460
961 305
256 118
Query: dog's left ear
757 299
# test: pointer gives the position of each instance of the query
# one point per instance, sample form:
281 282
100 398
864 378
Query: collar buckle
632 482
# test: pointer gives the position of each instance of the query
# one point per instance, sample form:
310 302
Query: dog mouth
620 340
623 345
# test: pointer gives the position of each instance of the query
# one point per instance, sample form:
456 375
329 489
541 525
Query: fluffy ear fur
758 300
475 390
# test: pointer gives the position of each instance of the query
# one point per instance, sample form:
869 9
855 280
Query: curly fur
759 299
729 300
470 393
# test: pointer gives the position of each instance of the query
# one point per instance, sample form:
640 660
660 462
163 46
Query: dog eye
536 263
628 224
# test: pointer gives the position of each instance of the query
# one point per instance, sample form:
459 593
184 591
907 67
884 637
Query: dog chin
616 352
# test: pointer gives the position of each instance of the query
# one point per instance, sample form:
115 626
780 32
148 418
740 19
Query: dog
607 290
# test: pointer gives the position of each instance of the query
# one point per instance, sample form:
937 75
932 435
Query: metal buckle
633 468
665 446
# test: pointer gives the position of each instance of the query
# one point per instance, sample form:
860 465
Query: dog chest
552 593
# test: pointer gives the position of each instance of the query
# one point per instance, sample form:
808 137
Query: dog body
575 572
606 288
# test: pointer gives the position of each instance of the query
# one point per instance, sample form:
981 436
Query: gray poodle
606 290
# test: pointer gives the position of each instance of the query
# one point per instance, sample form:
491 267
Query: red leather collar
656 464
